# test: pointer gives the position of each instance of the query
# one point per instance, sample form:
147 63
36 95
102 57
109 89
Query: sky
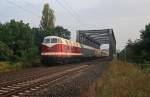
125 17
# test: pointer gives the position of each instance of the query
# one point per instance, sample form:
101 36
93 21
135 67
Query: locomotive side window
46 41
59 41
53 40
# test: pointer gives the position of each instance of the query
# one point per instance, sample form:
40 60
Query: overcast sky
126 17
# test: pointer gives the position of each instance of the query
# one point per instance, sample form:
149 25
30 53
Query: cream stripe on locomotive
61 53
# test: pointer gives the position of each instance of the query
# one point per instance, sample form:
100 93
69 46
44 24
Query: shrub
5 52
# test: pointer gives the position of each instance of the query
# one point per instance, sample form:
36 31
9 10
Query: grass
121 80
4 67
9 66
124 80
145 67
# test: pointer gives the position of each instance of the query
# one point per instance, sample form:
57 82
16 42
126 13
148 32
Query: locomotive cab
50 44
51 40
51 47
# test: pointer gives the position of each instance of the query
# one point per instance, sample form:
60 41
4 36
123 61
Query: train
59 50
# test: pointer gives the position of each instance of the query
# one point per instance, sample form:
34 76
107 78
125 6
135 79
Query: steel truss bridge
95 38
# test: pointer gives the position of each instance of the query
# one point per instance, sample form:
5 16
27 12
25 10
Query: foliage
145 36
9 66
48 18
48 26
5 66
38 36
57 31
139 50
21 40
5 52
61 32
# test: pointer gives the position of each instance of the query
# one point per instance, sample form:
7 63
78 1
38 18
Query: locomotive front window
46 41
53 40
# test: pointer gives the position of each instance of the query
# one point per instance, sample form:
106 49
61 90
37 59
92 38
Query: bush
5 52
20 42
30 57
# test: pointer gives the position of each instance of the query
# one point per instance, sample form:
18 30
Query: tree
20 38
145 39
5 52
134 51
38 36
145 34
139 50
61 32
48 18
48 26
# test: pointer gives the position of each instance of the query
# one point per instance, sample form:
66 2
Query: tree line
138 51
21 43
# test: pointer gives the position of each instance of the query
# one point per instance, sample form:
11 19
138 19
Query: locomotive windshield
53 40
46 41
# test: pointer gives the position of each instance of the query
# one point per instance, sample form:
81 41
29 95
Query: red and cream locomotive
60 50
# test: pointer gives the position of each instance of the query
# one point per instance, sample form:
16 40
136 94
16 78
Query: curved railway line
30 81
31 74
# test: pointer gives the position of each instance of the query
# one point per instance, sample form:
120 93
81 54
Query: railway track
37 80
27 75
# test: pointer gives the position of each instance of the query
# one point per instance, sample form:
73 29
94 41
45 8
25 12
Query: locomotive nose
45 48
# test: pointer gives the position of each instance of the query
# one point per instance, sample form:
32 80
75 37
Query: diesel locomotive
59 50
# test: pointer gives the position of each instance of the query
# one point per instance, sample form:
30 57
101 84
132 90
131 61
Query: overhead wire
70 12
75 12
18 6
28 3
38 16
32 4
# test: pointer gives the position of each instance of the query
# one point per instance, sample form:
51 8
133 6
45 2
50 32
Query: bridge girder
95 38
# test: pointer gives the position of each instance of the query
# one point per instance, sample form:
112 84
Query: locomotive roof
52 37
77 43
60 38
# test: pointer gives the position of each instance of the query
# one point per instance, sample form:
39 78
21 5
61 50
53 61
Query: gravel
72 86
